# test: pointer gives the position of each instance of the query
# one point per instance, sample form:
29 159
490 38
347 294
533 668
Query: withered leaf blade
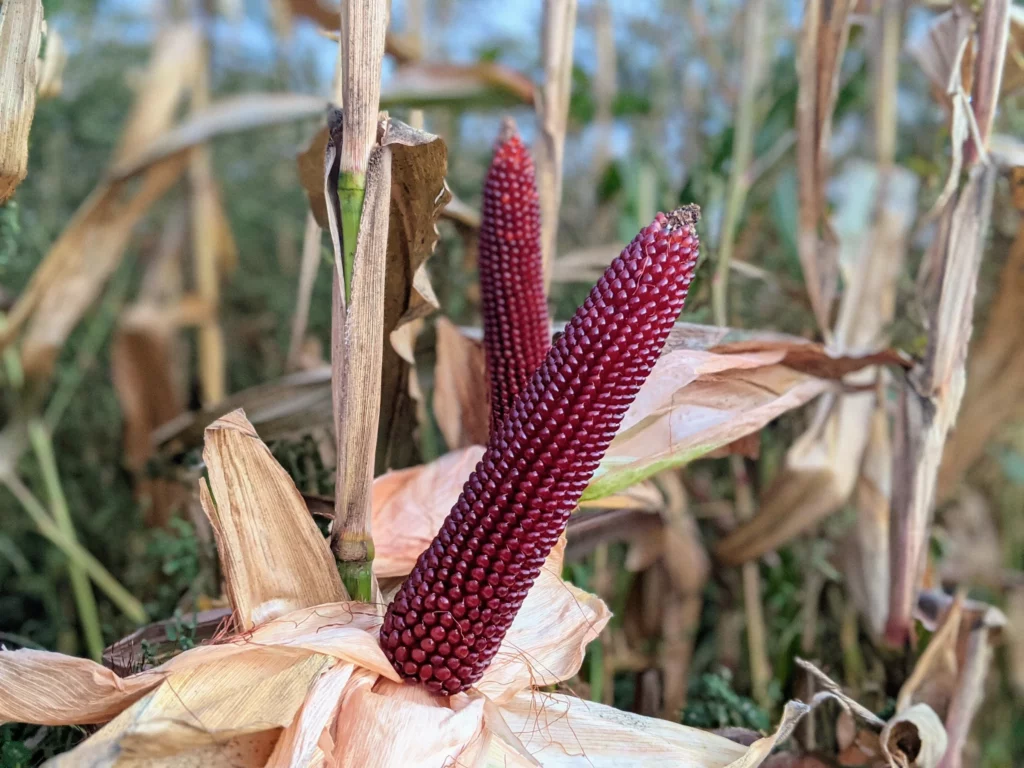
418 195
90 248
230 115
461 387
286 408
273 557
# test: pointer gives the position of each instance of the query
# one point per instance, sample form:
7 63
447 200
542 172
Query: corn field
465 383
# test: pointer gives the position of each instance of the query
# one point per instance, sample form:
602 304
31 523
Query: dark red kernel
539 462
517 332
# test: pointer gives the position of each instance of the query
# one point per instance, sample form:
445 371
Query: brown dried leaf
930 399
21 26
461 387
90 248
273 557
995 369
145 362
823 465
230 115
418 195
289 407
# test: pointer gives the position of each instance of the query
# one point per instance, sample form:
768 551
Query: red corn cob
517 333
450 615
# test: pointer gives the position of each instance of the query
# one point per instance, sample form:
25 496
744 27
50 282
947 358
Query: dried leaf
532 655
931 398
461 387
995 369
21 26
823 464
866 561
418 195
90 248
560 731
274 558
914 738
760 749
53 689
289 407
693 403
424 84
411 727
230 115
144 368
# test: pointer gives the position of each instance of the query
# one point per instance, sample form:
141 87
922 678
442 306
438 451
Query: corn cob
517 332
449 617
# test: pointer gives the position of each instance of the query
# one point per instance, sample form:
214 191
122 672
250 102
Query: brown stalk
559 26
823 43
21 23
205 228
933 391
357 331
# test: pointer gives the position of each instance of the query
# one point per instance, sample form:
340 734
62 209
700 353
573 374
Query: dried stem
760 668
558 28
357 332
307 277
21 23
363 29
742 153
205 229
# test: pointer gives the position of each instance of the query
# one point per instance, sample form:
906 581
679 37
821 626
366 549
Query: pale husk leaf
409 506
914 738
560 730
274 558
693 403
461 387
547 639
197 710
410 726
299 745
54 689
760 749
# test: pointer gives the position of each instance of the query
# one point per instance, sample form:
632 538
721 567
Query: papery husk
292 566
914 738
461 387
